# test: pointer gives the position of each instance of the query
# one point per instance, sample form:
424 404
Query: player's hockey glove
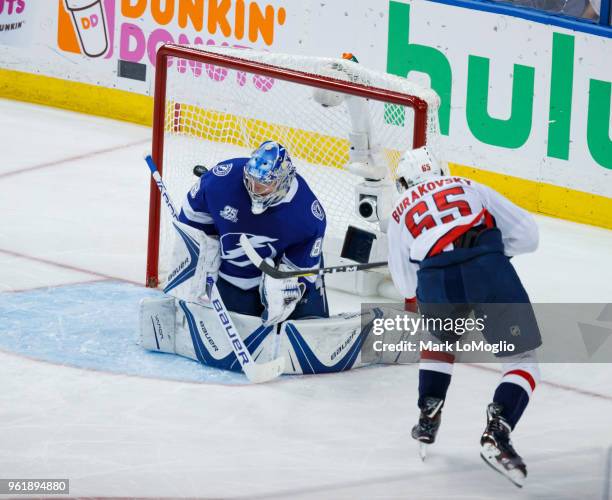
279 297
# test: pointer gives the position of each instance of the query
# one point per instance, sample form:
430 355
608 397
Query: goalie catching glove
279 296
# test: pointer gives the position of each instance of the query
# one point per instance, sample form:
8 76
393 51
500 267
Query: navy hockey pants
479 279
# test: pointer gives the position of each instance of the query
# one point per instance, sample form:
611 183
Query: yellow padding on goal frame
565 203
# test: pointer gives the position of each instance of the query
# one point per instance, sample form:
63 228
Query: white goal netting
213 113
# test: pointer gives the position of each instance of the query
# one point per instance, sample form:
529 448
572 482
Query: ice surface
74 202
71 325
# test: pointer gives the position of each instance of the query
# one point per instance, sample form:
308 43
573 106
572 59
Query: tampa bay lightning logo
222 169
317 210
232 251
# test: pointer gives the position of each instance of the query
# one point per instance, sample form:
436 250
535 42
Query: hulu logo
513 132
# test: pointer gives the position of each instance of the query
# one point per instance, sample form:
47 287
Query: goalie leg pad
193 331
325 345
201 337
309 346
157 324
390 346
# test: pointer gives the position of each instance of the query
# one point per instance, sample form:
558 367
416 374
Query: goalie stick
256 373
266 268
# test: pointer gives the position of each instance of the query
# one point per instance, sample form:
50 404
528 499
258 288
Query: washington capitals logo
232 251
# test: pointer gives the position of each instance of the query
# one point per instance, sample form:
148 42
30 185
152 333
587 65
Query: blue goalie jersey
290 232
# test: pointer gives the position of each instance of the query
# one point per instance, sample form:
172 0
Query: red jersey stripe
453 234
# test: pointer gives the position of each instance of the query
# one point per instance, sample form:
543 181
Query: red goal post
177 61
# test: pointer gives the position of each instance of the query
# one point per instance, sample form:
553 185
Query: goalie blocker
309 346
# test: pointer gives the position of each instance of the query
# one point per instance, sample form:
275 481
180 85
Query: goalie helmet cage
204 114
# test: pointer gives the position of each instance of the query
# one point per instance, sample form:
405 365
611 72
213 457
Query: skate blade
515 476
423 451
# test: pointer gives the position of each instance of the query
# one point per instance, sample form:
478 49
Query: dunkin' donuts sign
12 20
134 29
12 7
88 26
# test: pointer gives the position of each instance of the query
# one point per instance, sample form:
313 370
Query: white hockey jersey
428 217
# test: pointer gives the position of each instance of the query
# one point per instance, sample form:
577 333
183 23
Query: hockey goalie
264 198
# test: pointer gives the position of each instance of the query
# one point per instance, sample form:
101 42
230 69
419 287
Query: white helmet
416 166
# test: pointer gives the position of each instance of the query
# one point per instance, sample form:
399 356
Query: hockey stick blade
266 268
265 372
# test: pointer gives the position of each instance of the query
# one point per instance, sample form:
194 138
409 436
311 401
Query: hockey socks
433 385
513 399
435 372
513 393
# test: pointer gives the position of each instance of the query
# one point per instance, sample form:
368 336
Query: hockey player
450 243
263 197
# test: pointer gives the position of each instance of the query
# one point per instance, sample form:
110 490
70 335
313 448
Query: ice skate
497 450
429 422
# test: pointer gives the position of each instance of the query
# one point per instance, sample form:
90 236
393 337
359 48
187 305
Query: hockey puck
199 170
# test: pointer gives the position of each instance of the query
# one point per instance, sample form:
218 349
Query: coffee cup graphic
90 25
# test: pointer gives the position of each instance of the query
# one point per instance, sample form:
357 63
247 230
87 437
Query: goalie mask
416 166
268 175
